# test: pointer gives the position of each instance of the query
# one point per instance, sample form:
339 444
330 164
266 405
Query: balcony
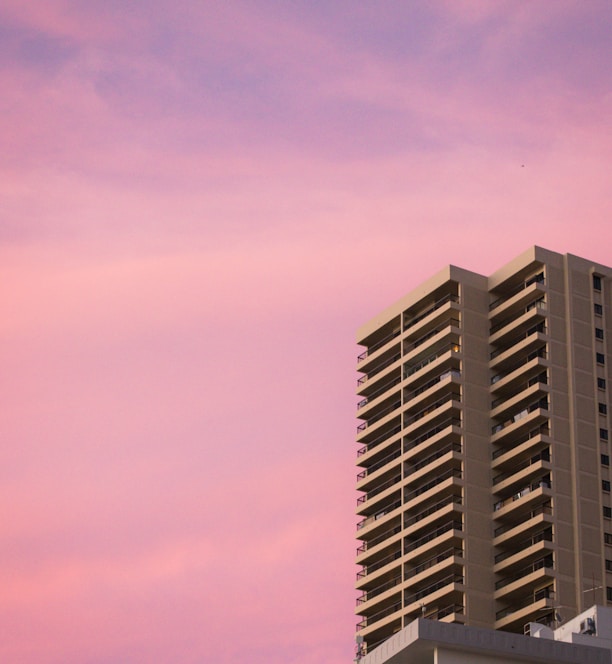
413 395
517 297
369 595
377 565
383 437
380 488
534 312
450 528
384 462
410 320
535 463
384 512
538 542
504 381
378 390
545 562
377 368
452 555
449 580
521 346
527 419
446 351
432 336
526 609
380 414
380 341
537 516
452 499
543 483
535 439
370 545
415 445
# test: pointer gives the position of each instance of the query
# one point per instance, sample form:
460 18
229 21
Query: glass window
605 460
598 309
603 434
607 512
601 358
601 383
596 282
603 408
605 485
598 333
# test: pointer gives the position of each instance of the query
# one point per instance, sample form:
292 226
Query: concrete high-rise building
484 462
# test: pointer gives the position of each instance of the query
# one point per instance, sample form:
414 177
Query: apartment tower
483 460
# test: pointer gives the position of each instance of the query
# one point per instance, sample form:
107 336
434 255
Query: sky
200 203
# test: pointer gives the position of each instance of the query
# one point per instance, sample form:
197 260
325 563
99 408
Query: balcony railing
540 484
368 620
447 580
541 403
379 416
367 595
541 563
436 532
532 598
432 333
456 500
378 539
451 421
430 383
379 564
434 560
379 515
410 322
540 327
541 536
453 347
379 489
538 278
545 508
453 447
540 378
379 344
454 472
378 440
377 392
538 304
541 352
542 430
378 368
451 396
544 455
379 464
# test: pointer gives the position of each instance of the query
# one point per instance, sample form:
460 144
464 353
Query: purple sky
200 202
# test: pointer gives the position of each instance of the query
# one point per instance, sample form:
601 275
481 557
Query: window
605 460
596 282
598 333
608 565
609 594
607 512
601 358
598 309
603 408
603 434
605 485
601 383
607 538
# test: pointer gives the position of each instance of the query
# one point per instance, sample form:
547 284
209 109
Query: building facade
483 460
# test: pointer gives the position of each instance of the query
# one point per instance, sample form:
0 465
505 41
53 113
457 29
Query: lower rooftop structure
587 639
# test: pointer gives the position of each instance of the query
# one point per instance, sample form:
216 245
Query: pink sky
200 202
